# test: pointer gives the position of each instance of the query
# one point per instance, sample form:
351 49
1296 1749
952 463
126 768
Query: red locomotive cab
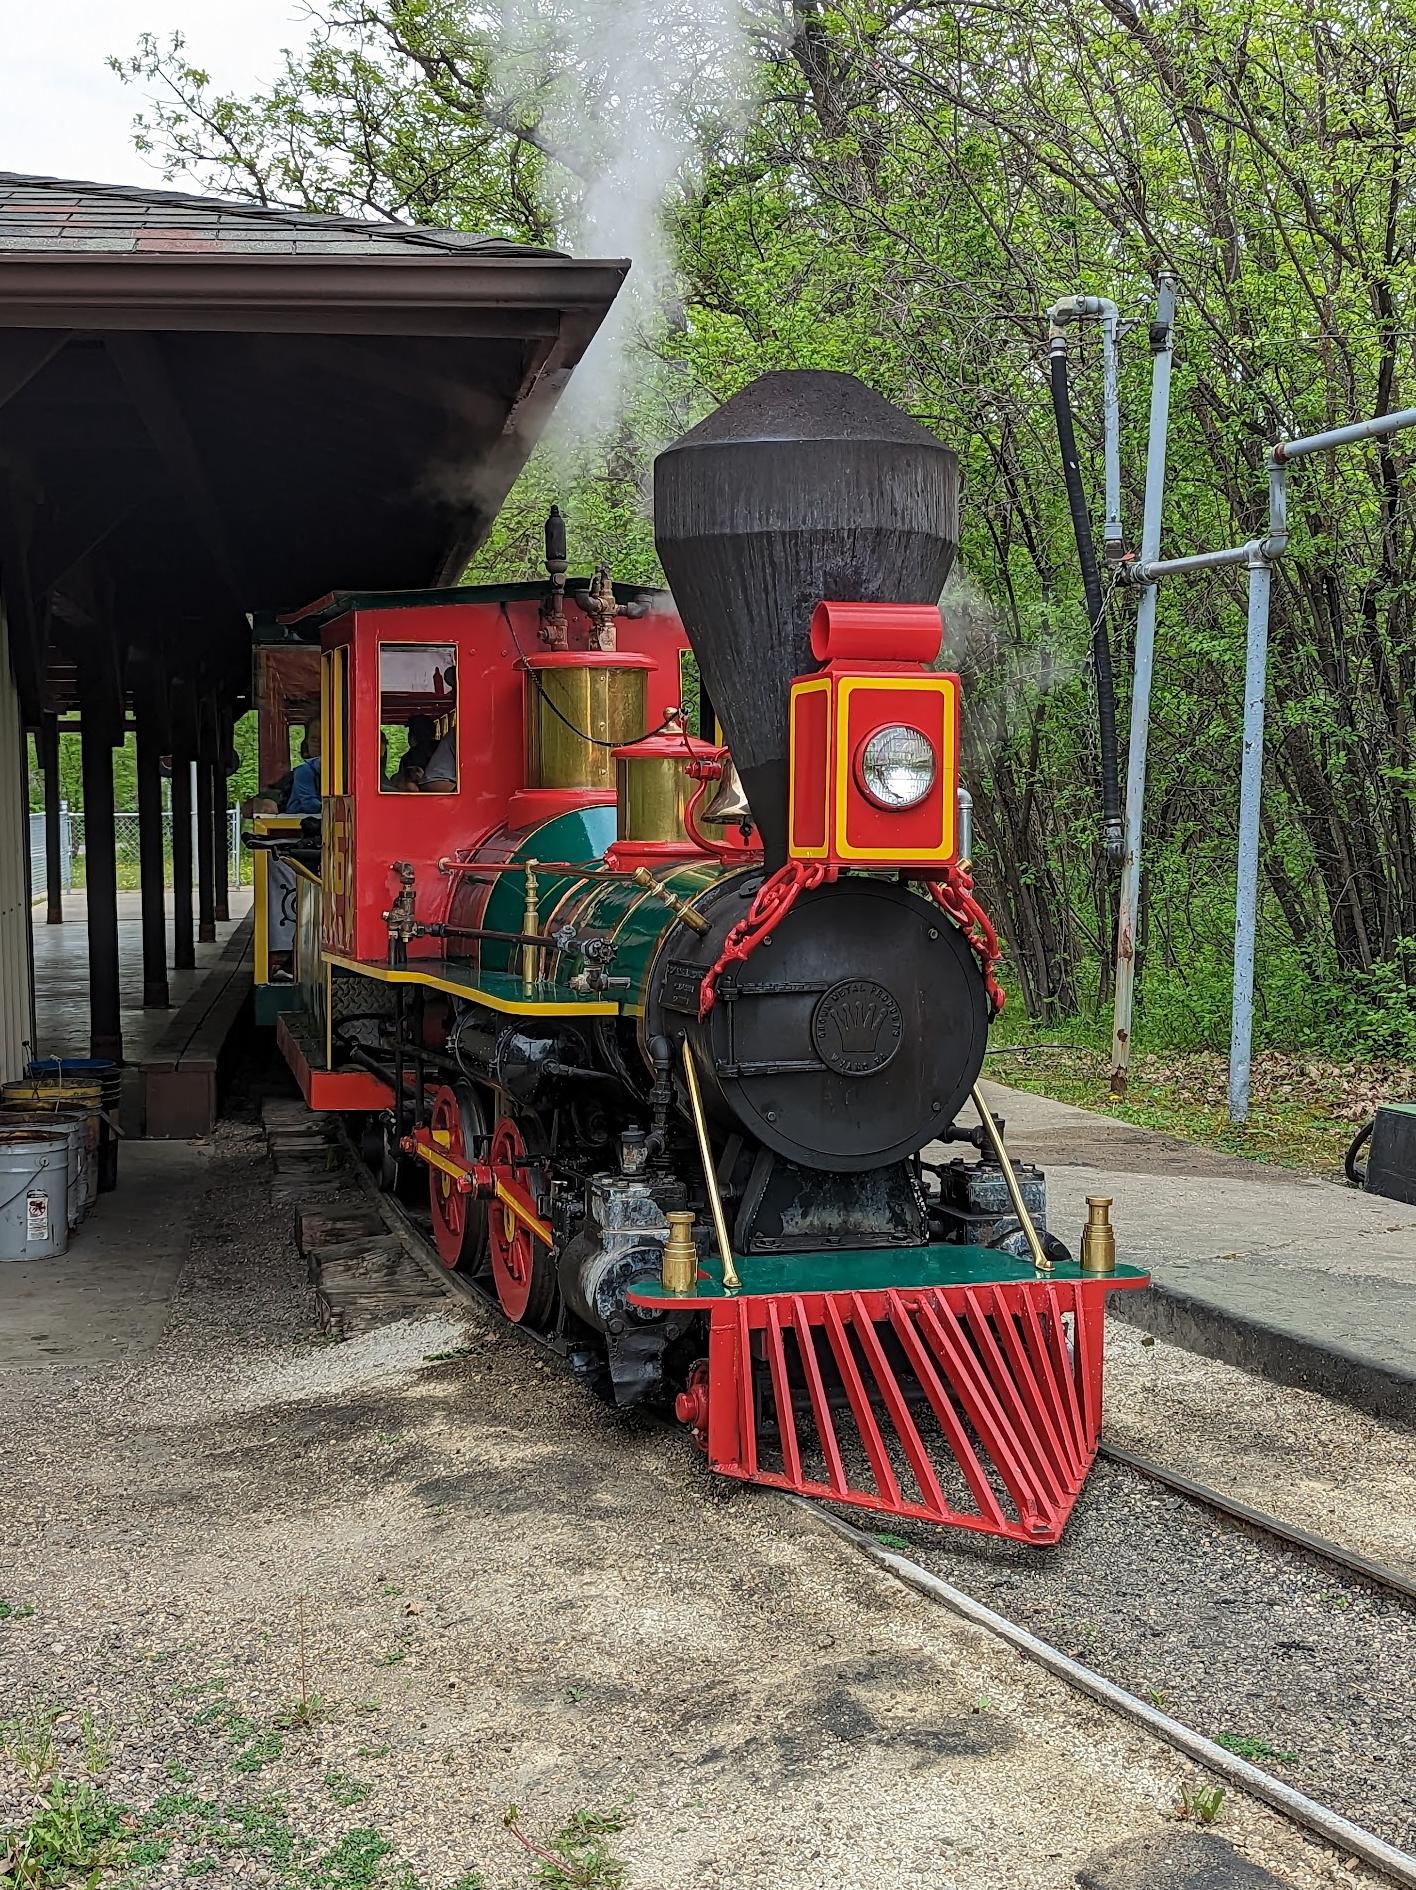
875 743
395 765
446 722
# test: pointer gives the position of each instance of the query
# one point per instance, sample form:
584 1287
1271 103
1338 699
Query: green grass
1305 1108
15 1610
1246 1748
28 1743
344 1790
578 1857
1199 1804
77 1838
73 1829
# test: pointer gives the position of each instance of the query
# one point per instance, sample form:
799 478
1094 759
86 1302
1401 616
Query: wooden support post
48 740
206 883
184 949
100 870
151 866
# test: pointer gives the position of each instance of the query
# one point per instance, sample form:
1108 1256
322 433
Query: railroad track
1343 1833
1389 1580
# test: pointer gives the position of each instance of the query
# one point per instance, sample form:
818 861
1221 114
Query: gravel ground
1301 1457
1225 1631
317 1616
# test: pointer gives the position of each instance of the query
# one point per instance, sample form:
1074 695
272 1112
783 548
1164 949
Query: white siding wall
15 973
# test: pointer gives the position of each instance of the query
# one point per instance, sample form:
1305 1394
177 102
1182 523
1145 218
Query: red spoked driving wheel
459 1218
521 1262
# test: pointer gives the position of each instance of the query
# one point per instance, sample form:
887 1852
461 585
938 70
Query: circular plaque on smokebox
857 1027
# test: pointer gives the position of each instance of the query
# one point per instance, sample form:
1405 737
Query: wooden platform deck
183 1073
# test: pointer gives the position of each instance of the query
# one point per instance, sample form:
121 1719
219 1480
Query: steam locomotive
672 1034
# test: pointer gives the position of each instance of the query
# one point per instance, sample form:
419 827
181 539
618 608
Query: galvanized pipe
1142 670
1377 429
1246 892
1258 557
964 849
1149 571
1098 308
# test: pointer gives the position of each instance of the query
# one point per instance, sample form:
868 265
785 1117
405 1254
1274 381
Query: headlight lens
898 766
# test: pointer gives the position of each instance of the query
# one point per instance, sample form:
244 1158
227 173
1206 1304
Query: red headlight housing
874 743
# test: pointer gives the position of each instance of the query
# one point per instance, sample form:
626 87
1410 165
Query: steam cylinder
805 486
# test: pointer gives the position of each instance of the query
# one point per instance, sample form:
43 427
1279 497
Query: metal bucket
86 1082
34 1194
83 1127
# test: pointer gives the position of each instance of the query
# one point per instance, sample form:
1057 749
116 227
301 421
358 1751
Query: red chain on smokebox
776 896
779 892
953 893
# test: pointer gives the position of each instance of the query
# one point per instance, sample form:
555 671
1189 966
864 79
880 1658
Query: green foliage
75 1836
578 1857
904 192
1199 1804
241 785
73 1829
344 1790
1246 1748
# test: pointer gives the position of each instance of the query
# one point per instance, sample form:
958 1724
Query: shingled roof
58 213
210 409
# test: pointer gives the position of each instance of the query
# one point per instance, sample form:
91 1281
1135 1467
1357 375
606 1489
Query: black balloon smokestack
802 487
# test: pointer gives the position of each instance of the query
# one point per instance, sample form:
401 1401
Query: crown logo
858 1023
857 1027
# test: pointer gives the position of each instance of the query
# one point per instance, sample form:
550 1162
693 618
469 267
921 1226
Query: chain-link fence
73 859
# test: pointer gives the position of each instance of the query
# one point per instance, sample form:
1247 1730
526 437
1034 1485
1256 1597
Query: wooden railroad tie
363 1276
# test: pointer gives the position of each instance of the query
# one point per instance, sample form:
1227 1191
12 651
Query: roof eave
239 292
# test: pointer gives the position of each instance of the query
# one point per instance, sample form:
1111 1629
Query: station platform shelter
212 414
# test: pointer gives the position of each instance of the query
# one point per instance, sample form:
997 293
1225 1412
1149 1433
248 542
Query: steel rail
1352 1839
1260 1520
1377 1574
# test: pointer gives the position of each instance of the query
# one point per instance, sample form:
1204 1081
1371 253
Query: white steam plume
623 94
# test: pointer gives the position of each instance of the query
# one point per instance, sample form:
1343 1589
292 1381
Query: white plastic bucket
82 1131
34 1194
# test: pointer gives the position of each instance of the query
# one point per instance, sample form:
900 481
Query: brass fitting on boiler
680 908
530 923
1098 1236
680 1274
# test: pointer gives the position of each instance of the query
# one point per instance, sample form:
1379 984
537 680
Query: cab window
418 718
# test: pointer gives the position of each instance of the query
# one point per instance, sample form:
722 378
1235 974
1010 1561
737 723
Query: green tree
909 187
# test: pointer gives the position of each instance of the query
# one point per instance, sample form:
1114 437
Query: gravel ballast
317 1616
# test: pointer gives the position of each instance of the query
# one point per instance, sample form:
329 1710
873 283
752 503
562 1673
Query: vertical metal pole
1142 669
1251 781
151 874
184 950
206 875
1111 434
100 877
54 823
220 836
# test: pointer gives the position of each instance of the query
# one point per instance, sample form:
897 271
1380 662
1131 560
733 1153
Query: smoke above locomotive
803 486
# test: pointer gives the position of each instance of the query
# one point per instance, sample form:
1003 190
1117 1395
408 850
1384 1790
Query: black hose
1096 607
1357 1176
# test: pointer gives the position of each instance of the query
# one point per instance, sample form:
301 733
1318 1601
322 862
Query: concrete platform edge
1199 1325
